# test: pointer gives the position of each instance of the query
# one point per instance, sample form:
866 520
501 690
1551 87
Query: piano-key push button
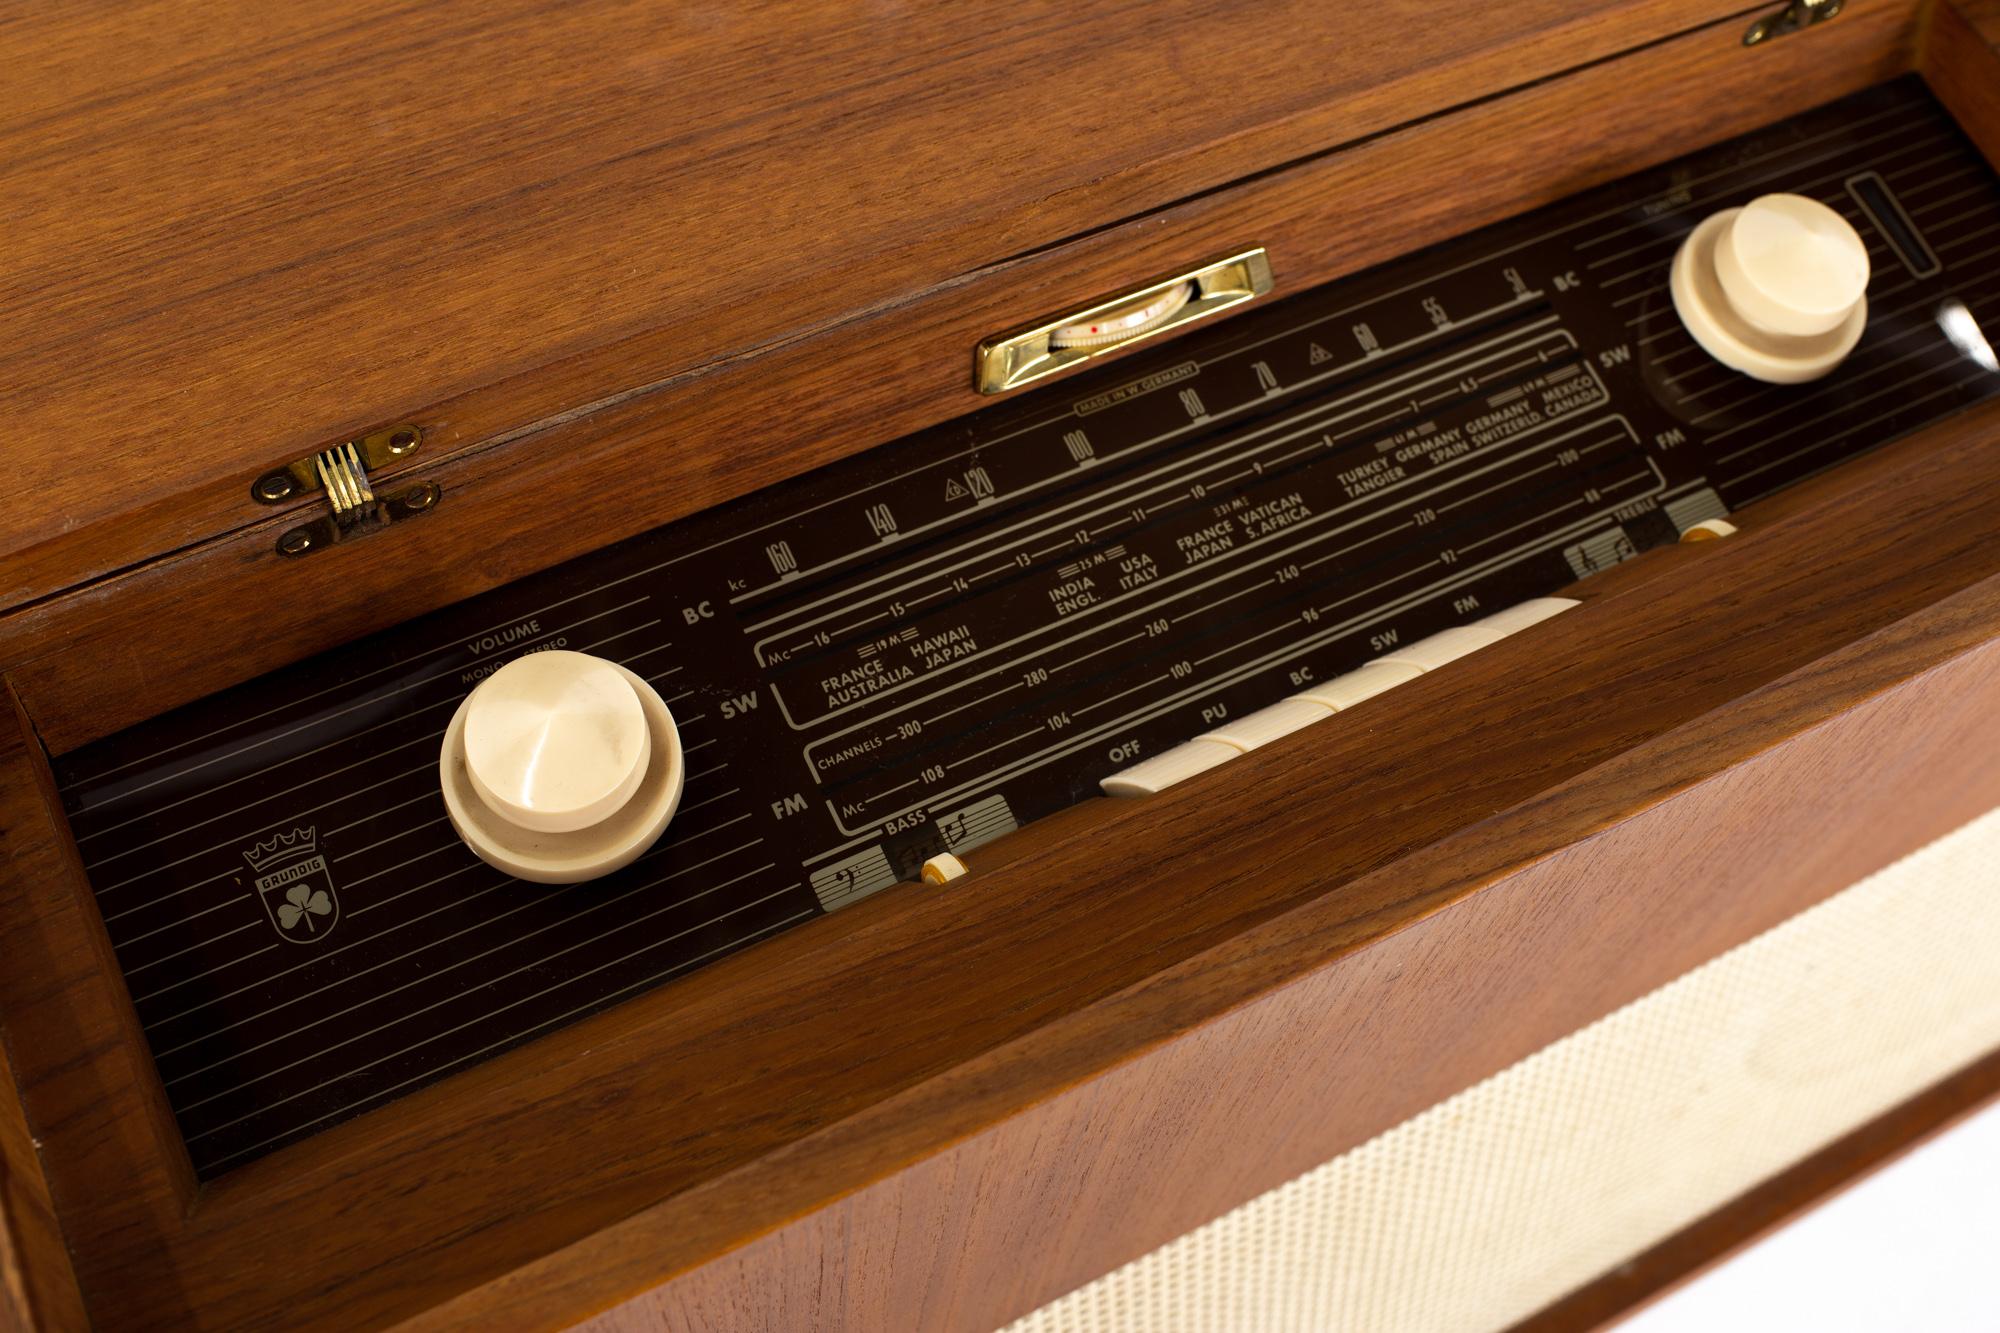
1163 770
1267 724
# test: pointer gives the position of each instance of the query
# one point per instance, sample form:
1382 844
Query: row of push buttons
1323 700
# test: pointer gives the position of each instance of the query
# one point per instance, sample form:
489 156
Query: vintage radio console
652 858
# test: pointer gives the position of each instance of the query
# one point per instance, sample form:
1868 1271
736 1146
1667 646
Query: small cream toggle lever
942 869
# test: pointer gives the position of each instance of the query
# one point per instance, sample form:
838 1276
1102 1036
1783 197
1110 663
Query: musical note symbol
953 830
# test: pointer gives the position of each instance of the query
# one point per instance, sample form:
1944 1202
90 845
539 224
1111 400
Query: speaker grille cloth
1491 1204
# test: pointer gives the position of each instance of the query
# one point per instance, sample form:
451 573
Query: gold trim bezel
1006 362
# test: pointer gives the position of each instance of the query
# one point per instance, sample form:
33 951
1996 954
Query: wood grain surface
131 646
237 232
907 1091
37 1286
80 1066
1121 1163
651 1139
1983 16
1961 61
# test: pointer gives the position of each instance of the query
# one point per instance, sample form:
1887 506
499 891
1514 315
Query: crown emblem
299 842
294 884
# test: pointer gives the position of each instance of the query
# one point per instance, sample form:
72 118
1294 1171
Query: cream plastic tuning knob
561 767
1775 289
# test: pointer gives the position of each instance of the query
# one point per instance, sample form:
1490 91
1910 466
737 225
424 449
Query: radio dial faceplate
1163 561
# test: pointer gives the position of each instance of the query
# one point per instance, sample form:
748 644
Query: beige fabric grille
1497 1201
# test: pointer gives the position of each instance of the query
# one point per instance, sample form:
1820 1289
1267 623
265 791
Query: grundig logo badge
294 885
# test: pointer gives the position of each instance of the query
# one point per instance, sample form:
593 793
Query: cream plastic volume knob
1774 289
561 767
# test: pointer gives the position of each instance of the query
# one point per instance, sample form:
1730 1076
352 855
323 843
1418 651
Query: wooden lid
239 232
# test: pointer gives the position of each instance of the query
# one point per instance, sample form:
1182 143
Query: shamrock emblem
303 903
294 883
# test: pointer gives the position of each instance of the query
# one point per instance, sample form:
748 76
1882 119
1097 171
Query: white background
1915 1246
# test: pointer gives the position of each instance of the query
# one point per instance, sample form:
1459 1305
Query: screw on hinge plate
364 517
1795 15
339 464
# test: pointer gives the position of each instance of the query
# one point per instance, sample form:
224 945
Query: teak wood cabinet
624 261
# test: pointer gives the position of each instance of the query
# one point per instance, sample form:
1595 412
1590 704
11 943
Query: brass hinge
1795 15
359 455
341 474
